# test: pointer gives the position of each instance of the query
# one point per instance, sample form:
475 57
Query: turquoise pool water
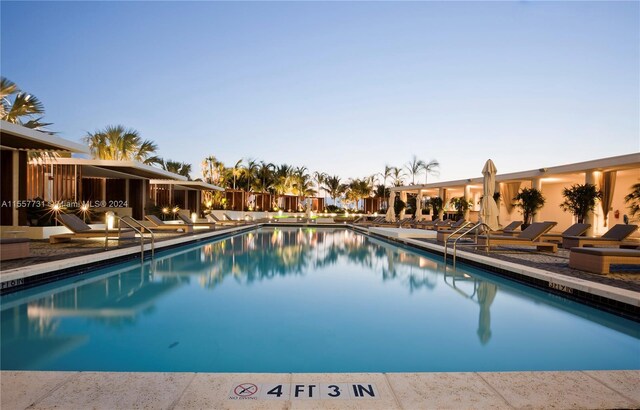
305 300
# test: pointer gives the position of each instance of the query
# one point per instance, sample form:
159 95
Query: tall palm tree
236 171
334 187
213 170
19 107
430 168
414 167
177 167
264 177
250 173
397 176
359 189
119 143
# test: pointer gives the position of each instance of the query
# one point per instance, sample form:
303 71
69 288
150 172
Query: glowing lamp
110 219
194 217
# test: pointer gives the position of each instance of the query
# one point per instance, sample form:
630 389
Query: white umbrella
390 217
418 215
488 209
308 203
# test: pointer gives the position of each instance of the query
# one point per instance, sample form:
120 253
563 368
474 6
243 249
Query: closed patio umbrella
418 214
403 198
488 209
391 217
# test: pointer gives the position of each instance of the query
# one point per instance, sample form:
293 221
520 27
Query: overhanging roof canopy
14 136
619 163
118 169
186 185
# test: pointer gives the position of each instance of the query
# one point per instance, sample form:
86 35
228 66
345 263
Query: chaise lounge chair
80 230
444 226
14 248
213 218
574 230
159 225
613 237
529 237
187 221
426 224
599 260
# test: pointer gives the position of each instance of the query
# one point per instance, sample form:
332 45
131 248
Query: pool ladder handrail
130 222
446 242
474 229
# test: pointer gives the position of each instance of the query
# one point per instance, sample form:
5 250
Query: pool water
305 300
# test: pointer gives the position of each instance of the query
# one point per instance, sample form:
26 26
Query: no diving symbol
245 390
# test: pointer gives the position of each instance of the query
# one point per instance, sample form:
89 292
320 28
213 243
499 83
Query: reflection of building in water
482 292
30 328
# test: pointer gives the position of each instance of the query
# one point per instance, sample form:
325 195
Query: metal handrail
474 229
125 219
464 225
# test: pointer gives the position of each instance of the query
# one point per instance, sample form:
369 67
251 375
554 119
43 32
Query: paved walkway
538 390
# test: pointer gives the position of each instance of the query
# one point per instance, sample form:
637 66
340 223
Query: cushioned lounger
574 230
159 225
613 237
528 237
599 260
187 221
83 231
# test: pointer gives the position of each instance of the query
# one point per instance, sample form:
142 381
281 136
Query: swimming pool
305 300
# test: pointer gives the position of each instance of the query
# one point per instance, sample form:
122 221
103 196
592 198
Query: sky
339 87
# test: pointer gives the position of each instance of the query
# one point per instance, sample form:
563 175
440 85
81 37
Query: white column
590 177
442 193
144 196
467 196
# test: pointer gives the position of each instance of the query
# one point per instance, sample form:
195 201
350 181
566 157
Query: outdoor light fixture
165 210
194 217
110 218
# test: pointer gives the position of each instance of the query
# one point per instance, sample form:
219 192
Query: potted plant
580 200
460 205
529 200
398 206
436 204
633 199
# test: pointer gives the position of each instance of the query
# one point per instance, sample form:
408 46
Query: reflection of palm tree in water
486 293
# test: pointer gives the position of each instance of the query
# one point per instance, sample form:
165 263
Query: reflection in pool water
293 299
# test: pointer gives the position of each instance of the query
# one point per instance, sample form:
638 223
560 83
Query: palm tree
414 167
250 173
180 168
19 107
122 144
264 177
213 171
633 199
333 187
430 168
359 189
397 176
236 171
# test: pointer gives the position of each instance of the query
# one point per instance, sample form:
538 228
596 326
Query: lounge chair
573 230
529 237
510 229
187 221
450 226
215 219
613 237
599 260
80 230
14 248
159 225
373 221
425 224
226 215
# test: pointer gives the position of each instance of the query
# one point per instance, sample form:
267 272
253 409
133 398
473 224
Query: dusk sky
343 88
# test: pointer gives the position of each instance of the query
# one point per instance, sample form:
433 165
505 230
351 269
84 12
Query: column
442 193
15 192
467 196
590 177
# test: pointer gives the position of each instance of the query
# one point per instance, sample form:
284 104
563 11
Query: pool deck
495 390
109 390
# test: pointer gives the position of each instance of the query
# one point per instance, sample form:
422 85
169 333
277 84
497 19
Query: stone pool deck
495 390
107 390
